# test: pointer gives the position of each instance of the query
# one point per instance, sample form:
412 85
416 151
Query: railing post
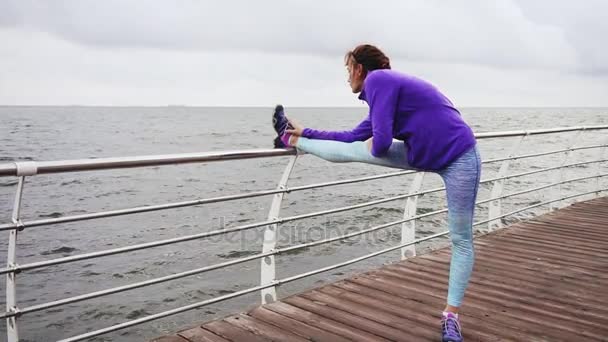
12 331
557 193
408 229
494 207
268 269
599 167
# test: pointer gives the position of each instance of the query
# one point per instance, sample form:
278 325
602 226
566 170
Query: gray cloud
503 52
499 33
584 25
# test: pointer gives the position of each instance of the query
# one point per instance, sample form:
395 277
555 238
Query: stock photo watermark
292 233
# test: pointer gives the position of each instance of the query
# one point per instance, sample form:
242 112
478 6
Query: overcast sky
239 53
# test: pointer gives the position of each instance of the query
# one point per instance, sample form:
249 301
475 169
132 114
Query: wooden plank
556 231
373 314
553 252
571 261
232 332
546 237
558 241
169 339
297 327
534 259
199 334
263 329
549 229
567 228
579 222
349 319
323 323
540 269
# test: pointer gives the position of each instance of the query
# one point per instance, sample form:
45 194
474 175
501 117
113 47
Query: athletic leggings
461 180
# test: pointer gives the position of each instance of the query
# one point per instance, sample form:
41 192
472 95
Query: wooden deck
541 280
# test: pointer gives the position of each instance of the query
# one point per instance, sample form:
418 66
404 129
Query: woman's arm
362 132
382 96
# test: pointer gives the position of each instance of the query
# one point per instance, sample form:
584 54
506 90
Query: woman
430 136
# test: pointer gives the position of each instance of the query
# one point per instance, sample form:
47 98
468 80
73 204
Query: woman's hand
297 129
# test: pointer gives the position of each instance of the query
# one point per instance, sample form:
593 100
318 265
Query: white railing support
557 192
12 330
268 267
598 167
408 229
494 208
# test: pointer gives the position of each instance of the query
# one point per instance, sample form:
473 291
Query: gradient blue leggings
461 180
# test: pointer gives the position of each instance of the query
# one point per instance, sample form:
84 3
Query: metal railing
269 279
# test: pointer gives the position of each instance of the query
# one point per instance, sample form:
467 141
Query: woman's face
355 75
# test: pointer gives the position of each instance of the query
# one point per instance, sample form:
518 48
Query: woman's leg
340 152
462 181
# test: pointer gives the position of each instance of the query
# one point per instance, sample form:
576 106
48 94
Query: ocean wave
137 314
9 183
76 181
60 250
237 254
52 215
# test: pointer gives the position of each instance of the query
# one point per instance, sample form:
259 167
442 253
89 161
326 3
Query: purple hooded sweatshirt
412 110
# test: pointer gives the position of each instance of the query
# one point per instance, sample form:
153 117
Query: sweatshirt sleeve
382 96
362 132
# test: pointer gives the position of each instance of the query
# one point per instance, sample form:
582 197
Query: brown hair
369 56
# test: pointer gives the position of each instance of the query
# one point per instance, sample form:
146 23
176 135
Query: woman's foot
450 328
281 123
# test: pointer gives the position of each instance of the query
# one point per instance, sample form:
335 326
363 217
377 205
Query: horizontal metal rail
136 210
541 188
527 173
540 154
367 256
46 263
538 131
120 212
292 278
118 289
44 167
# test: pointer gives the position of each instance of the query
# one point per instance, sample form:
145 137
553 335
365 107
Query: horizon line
271 106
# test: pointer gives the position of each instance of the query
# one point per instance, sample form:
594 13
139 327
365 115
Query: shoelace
280 127
451 326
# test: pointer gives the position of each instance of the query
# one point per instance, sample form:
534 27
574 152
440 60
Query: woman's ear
359 71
